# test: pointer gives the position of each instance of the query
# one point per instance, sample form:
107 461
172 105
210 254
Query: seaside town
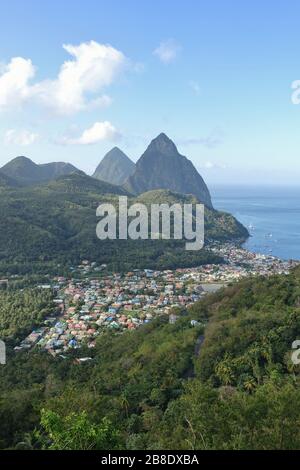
94 300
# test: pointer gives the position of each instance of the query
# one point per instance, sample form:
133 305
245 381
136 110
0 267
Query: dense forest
46 228
20 310
159 387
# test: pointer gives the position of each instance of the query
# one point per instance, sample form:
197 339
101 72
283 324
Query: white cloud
167 51
94 67
14 78
78 85
96 133
22 137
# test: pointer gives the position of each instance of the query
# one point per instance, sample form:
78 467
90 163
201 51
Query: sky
78 77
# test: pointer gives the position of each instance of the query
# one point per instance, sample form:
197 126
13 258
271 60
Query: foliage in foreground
76 432
147 389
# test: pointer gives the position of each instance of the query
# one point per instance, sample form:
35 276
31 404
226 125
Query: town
94 300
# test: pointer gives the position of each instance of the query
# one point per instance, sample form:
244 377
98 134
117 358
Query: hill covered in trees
49 227
25 172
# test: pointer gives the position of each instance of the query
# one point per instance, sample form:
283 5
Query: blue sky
214 75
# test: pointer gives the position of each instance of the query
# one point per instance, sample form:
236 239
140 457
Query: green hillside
26 173
54 224
79 182
7 182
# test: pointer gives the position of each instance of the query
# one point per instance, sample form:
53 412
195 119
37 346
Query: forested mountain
7 181
153 389
25 172
115 167
78 182
162 167
51 226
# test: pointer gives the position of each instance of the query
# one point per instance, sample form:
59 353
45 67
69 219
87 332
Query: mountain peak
116 150
162 167
21 159
115 153
115 167
19 167
162 136
26 172
163 144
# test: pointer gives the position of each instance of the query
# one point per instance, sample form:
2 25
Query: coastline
270 214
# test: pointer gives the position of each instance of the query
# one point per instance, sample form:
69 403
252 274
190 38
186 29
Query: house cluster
118 302
241 263
96 300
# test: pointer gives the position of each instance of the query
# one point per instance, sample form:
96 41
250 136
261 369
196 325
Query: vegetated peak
27 173
162 167
19 160
116 152
163 144
115 167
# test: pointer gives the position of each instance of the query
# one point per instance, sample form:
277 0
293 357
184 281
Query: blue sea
272 216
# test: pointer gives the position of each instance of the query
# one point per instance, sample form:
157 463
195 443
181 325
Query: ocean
272 216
